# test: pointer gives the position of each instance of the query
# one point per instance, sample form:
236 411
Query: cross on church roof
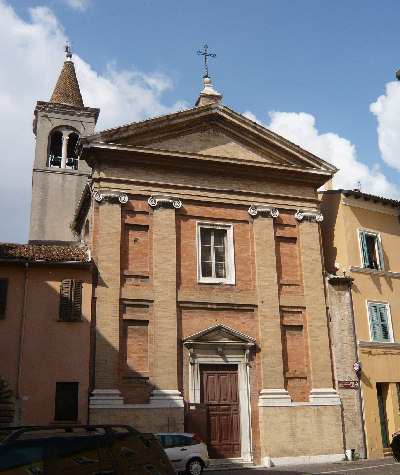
206 55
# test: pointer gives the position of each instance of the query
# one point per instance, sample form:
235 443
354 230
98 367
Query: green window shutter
364 251
65 300
77 300
378 244
383 319
375 325
3 297
379 322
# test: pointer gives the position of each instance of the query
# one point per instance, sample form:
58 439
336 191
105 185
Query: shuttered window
379 322
70 300
3 297
371 250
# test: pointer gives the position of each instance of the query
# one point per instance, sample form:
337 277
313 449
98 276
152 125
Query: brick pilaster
268 303
317 327
108 293
165 305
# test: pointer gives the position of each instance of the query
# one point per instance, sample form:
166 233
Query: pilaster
165 391
317 325
273 391
108 293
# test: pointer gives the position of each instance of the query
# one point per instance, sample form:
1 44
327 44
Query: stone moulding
312 215
164 200
269 211
110 195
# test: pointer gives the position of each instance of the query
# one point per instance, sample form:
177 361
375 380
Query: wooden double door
219 391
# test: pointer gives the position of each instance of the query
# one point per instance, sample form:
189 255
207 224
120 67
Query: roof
67 88
366 196
48 253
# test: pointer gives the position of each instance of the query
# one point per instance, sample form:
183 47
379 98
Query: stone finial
208 95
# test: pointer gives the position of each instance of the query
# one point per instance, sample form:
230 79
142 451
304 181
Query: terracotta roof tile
67 88
34 252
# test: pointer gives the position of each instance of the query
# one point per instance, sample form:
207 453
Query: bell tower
58 175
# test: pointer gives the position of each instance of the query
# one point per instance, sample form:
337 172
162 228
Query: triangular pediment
219 334
213 131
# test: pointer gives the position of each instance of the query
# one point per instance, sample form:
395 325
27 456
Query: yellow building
361 238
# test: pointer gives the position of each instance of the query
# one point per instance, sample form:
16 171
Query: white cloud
300 129
386 109
32 53
81 5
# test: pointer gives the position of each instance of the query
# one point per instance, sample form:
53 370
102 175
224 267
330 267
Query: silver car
187 452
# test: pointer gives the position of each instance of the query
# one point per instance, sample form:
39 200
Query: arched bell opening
62 149
72 157
55 149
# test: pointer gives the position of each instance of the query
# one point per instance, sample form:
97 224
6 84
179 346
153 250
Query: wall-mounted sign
349 384
357 366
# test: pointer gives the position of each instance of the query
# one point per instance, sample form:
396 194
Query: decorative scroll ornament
312 215
110 195
269 211
155 201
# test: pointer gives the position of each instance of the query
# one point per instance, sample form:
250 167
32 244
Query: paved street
385 466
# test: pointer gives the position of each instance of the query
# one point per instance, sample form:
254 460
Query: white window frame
378 240
229 255
389 321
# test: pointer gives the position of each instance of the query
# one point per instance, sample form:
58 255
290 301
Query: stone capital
110 195
312 215
156 201
263 210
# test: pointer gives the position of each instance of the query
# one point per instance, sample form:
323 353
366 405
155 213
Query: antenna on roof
359 185
68 53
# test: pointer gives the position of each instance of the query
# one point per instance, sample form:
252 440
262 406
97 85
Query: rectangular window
215 254
379 320
371 250
3 297
70 300
66 406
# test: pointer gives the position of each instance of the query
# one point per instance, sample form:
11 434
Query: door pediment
219 334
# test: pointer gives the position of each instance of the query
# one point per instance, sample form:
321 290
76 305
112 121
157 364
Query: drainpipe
18 415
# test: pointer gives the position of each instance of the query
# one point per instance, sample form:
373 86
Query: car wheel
194 467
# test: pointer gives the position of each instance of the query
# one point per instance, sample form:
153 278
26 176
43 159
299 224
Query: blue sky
309 70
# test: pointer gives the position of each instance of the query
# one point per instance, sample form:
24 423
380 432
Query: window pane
219 237
371 250
220 270
206 260
206 269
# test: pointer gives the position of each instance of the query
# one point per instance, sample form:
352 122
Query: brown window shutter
65 300
77 300
3 297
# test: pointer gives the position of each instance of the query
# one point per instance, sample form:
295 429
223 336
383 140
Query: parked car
187 452
83 450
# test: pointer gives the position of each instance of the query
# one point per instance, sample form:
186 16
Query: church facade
210 308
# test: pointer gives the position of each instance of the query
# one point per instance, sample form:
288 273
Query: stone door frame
215 353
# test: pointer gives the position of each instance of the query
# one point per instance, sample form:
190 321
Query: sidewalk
383 466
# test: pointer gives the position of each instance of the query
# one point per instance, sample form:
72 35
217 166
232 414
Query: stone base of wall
144 419
300 431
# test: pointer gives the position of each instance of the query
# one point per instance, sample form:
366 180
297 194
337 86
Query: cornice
378 207
105 151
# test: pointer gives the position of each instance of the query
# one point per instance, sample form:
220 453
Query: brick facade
150 300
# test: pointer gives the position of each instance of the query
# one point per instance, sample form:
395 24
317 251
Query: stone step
228 464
